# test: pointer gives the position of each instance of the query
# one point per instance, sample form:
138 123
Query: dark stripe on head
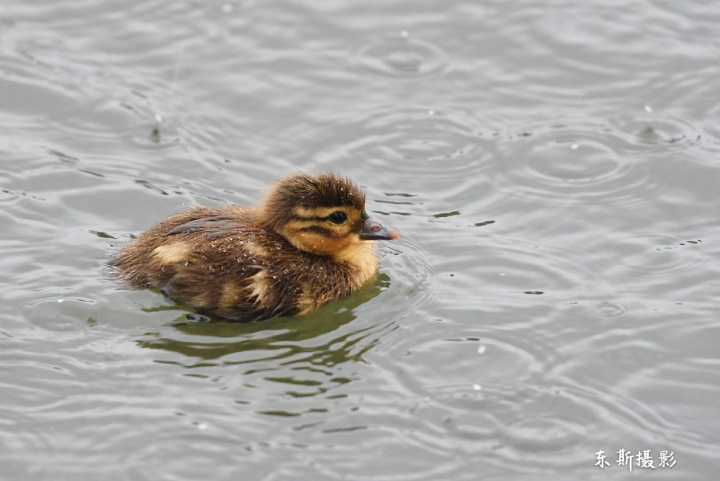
318 230
316 218
301 218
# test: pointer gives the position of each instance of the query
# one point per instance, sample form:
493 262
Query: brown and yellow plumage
307 244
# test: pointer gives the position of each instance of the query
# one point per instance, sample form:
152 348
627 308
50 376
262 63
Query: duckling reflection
307 244
280 339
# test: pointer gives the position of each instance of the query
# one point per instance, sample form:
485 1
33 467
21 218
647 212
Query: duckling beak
373 230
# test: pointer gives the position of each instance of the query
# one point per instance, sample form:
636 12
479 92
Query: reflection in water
294 340
295 358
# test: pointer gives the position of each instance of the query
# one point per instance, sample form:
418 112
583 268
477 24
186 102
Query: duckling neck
362 260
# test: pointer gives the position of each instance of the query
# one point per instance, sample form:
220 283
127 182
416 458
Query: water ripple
666 132
402 56
576 164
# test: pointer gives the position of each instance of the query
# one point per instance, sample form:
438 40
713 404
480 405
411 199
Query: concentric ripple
665 132
443 143
661 253
591 162
402 56
411 274
511 272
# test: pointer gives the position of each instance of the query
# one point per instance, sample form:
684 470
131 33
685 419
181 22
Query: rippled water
554 168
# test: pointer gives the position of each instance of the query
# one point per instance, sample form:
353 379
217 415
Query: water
553 168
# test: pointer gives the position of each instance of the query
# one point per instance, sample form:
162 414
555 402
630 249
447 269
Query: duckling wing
152 259
226 277
212 227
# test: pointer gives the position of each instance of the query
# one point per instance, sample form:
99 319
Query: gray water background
553 167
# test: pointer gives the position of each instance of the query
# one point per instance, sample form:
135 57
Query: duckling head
322 215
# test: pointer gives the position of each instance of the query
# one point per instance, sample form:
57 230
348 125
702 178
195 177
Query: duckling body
289 256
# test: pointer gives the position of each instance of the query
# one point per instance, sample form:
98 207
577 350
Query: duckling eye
337 217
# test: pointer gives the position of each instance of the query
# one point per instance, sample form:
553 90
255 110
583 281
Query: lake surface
553 167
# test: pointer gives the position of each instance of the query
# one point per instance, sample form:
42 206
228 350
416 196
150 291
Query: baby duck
307 244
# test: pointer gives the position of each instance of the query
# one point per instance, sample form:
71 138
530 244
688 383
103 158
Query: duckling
307 244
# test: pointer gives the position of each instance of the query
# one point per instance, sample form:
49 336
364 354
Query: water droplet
481 349
574 146
648 109
477 387
404 34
